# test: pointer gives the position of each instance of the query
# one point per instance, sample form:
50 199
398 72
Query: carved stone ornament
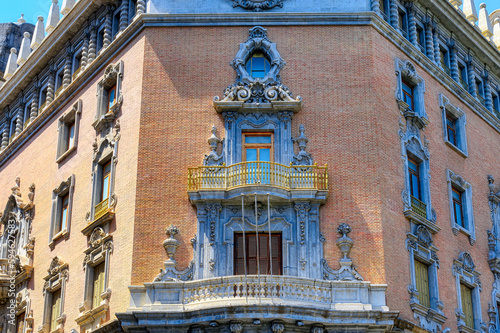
277 326
302 158
171 244
96 238
213 158
467 262
236 327
258 5
424 236
170 273
248 89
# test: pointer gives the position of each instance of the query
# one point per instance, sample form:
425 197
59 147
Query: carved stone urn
344 243
171 244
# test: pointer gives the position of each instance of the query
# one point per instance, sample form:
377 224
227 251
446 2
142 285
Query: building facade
252 166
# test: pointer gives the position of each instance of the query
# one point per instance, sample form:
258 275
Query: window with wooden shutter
264 257
422 282
98 285
467 309
55 309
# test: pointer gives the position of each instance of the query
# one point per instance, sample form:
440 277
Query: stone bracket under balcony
181 304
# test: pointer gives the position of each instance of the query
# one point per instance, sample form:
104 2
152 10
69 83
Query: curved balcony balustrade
258 174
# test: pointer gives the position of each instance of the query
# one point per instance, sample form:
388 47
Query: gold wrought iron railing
418 207
258 173
100 209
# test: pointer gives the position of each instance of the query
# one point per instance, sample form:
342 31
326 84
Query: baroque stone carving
171 244
302 210
247 89
213 158
302 158
277 326
467 262
213 211
171 273
236 327
258 5
424 236
347 272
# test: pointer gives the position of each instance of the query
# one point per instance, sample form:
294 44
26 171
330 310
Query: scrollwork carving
258 5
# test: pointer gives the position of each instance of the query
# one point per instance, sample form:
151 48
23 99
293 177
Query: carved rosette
258 5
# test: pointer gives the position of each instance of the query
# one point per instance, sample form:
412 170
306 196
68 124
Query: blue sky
10 10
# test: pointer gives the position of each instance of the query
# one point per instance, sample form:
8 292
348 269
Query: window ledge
430 314
455 148
417 219
65 154
456 228
63 233
466 329
89 316
108 216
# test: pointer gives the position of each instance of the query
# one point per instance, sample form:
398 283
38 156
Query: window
109 97
261 261
62 198
27 113
454 122
106 175
258 147
462 74
20 322
410 93
77 63
54 288
258 66
132 9
69 124
466 293
55 309
480 91
115 25
496 104
59 81
100 39
445 60
98 284
421 38
424 286
417 201
462 218
12 127
468 286
43 98
403 22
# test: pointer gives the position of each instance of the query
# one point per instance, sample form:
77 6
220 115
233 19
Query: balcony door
258 153
264 257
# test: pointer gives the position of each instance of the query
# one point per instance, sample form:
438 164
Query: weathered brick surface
35 163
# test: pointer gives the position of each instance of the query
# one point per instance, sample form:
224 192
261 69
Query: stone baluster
488 99
469 9
92 43
67 70
123 15
107 28
394 14
454 61
11 64
19 121
496 32
471 77
53 17
5 137
437 53
375 7
141 7
429 40
38 34
34 104
85 50
484 23
51 85
66 6
412 25
25 49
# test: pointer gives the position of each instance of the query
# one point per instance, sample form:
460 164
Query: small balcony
100 209
418 207
257 174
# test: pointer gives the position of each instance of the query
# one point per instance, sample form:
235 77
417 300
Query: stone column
471 78
412 26
85 50
107 28
34 104
92 43
19 121
67 70
429 41
454 61
5 137
394 15
437 54
488 99
141 7
51 85
124 15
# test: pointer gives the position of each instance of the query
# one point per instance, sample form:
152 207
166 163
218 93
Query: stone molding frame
420 246
113 76
406 70
100 248
411 143
66 187
71 117
23 305
461 122
457 181
465 273
55 280
494 254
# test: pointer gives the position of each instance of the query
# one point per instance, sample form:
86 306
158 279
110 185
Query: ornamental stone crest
258 5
